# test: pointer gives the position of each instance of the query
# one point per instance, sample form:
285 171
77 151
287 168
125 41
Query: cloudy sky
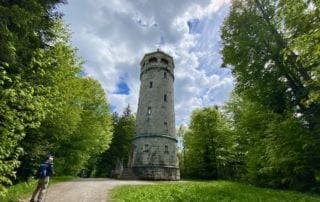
112 36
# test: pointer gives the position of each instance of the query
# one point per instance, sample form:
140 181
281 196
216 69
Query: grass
24 189
206 191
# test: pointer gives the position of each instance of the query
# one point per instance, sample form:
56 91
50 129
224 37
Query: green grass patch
19 190
22 190
206 191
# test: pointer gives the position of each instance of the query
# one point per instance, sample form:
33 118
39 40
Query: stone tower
154 144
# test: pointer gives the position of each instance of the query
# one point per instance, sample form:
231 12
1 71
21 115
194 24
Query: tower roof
155 53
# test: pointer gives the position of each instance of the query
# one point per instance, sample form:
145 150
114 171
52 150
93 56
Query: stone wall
157 173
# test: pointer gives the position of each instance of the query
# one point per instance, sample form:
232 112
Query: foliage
24 33
18 190
46 104
269 45
208 145
205 191
120 148
276 149
78 123
91 134
181 132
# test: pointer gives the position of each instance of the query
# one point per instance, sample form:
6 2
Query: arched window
149 111
165 97
150 84
164 61
165 75
153 59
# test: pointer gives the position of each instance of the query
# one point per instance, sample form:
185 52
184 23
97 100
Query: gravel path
85 190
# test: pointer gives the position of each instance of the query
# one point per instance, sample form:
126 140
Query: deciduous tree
270 47
208 145
120 147
25 33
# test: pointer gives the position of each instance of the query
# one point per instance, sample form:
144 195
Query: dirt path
85 190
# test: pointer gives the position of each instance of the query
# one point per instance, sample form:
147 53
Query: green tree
181 149
274 149
208 145
78 124
91 134
269 45
25 33
120 147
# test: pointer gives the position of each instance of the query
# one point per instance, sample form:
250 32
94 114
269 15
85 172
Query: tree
120 147
182 130
46 103
269 47
91 133
275 150
78 122
25 32
208 145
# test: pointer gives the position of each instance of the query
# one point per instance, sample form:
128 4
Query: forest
47 104
267 134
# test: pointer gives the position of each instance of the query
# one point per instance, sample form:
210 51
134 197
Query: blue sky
112 37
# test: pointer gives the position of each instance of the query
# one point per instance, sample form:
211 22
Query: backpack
42 171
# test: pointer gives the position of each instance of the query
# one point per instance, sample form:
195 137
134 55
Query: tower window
164 61
165 75
165 97
146 148
153 60
166 149
165 126
150 84
149 111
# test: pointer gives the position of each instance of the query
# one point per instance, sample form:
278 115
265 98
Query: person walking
44 172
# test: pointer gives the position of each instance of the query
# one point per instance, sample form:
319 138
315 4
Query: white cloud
112 37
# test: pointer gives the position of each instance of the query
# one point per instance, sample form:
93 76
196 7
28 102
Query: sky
112 37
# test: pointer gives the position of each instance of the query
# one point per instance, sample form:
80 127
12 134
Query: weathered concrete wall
154 152
157 172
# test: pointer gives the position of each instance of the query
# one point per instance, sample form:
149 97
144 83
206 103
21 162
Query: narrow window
166 149
165 97
146 148
150 84
165 126
165 75
149 111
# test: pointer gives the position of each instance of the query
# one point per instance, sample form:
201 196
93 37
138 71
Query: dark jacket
45 170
